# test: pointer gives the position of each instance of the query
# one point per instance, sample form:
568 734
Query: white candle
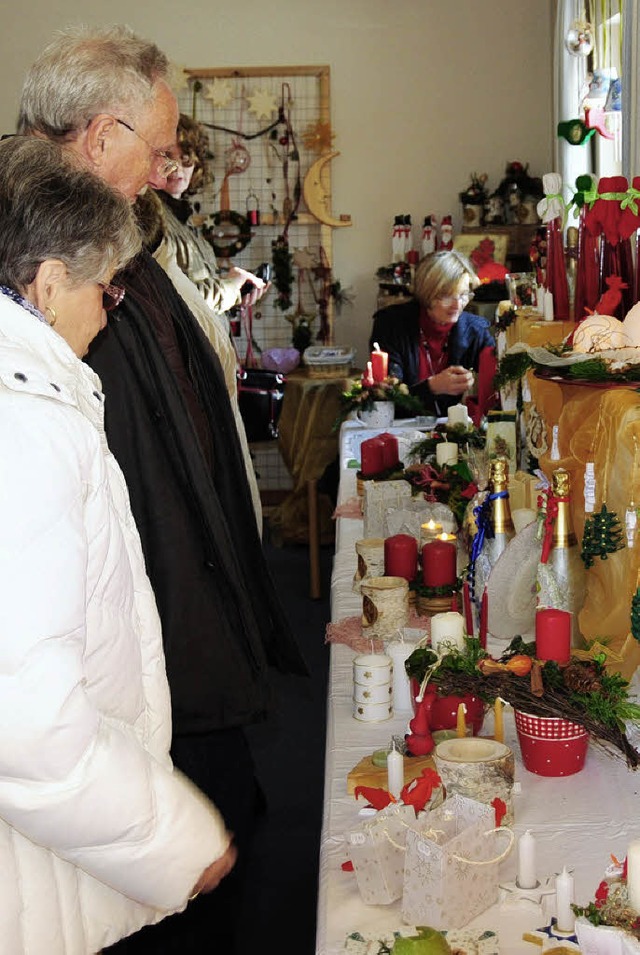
447 632
395 772
633 874
446 453
401 687
548 307
457 414
565 918
527 878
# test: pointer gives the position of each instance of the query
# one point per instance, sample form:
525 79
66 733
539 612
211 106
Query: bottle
428 244
561 572
495 513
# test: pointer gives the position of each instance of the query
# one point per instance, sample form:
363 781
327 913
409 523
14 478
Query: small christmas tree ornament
635 615
602 536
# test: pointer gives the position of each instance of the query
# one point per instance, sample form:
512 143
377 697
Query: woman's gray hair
438 275
85 71
53 208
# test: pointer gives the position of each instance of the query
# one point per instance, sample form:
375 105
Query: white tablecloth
577 821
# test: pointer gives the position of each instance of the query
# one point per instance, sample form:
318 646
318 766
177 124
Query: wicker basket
329 371
550 745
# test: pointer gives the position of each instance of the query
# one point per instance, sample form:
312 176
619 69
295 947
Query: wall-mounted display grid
266 128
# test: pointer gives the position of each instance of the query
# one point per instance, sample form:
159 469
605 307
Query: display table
308 443
577 821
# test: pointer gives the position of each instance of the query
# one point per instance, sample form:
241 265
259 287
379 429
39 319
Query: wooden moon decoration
317 197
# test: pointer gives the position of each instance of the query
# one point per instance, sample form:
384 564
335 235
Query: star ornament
262 104
318 137
178 78
219 92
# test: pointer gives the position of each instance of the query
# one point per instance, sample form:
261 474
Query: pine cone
581 678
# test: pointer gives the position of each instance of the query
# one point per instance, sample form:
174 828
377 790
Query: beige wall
424 92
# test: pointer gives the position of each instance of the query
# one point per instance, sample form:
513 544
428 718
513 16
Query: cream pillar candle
395 772
565 919
457 414
548 307
633 874
446 453
447 632
527 878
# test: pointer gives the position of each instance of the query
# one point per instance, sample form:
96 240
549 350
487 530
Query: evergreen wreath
237 242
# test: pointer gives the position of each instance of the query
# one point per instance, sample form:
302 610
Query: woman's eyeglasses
112 295
449 300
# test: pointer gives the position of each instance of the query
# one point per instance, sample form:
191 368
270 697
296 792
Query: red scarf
433 346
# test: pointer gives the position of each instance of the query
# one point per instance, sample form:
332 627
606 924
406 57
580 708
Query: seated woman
435 346
99 835
189 261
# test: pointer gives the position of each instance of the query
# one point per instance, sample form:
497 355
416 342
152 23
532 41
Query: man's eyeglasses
449 300
112 295
166 165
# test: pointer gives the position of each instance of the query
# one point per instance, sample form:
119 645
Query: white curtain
630 88
569 74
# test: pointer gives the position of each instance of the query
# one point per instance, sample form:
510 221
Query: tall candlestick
498 721
565 919
468 612
461 723
553 634
447 632
446 453
379 363
395 772
401 556
633 874
527 878
484 619
439 564
390 450
371 457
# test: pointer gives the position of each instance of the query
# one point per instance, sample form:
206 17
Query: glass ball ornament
237 158
579 38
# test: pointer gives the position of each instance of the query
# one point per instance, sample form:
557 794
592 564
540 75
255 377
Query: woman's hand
240 277
215 873
454 380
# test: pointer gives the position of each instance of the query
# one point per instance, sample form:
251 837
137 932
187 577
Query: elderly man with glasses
103 93
435 346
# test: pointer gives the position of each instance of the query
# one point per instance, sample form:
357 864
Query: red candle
379 363
401 556
484 619
553 634
439 564
390 453
371 457
468 612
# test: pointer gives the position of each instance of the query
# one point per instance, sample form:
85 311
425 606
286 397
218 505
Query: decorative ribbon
482 514
629 201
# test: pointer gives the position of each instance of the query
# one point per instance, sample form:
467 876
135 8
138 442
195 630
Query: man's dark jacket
222 621
397 330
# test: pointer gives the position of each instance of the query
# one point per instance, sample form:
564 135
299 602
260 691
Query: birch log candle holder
385 605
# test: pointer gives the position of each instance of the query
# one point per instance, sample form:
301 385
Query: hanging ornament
318 137
602 536
631 513
555 446
262 103
579 38
589 488
219 92
253 209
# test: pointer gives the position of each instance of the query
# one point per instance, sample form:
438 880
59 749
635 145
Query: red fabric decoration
418 792
378 798
347 866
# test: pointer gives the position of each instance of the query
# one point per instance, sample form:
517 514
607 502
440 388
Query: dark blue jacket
397 330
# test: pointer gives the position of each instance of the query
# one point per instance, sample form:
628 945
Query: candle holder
512 892
542 935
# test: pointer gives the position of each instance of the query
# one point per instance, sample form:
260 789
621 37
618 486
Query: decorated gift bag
376 850
451 864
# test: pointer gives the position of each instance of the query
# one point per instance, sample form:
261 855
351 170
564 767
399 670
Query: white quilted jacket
98 834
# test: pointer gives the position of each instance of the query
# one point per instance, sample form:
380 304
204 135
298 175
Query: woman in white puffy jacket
99 835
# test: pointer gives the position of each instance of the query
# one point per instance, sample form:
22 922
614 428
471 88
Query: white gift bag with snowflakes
376 850
451 865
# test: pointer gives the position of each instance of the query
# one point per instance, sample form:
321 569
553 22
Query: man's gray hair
53 207
85 71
